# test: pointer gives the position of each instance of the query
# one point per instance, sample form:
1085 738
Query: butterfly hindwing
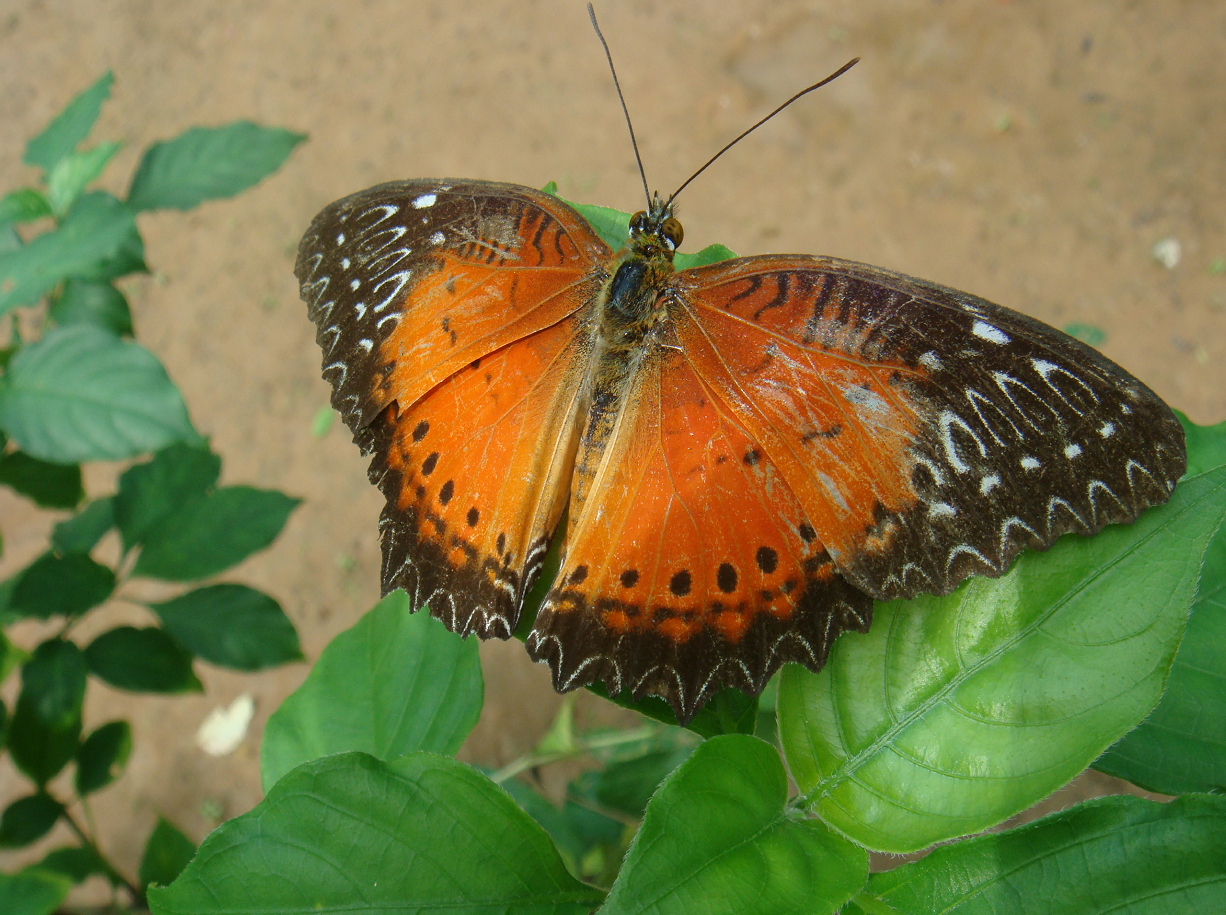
454 319
928 434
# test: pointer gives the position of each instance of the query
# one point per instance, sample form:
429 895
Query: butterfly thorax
632 296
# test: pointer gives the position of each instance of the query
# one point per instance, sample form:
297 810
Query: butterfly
738 458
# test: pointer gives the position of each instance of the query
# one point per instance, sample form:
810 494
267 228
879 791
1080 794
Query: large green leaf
206 163
48 485
213 532
70 126
1181 746
141 660
351 834
83 394
60 586
32 892
232 626
718 837
1108 856
394 683
953 713
96 230
151 492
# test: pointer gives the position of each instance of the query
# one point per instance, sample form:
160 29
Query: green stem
513 768
138 897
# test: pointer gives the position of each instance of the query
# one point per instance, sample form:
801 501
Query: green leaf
1206 446
38 749
73 172
83 394
951 714
167 853
633 773
1181 747
151 492
207 163
24 205
394 683
575 830
213 532
102 756
729 711
232 626
141 660
53 682
719 837
28 819
48 485
96 230
75 862
95 302
70 127
32 892
61 586
81 532
351 834
1108 855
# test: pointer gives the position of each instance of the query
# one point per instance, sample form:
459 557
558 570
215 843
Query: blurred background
1065 160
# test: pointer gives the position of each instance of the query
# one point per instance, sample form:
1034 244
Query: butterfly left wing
455 322
929 435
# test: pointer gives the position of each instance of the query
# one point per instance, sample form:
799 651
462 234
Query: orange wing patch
690 564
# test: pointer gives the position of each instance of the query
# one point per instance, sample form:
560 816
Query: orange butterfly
746 454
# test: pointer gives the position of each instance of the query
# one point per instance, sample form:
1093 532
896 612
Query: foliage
82 390
950 716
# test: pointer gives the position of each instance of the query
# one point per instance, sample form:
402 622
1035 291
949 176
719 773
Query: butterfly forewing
451 315
928 434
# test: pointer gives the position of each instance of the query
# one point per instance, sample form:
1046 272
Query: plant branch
581 746
138 897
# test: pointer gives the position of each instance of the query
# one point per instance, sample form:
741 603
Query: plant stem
513 768
138 898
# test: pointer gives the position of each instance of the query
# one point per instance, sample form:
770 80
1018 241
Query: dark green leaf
1206 446
48 485
719 837
61 586
96 230
350 834
207 163
394 683
102 756
1037 671
575 830
1108 855
28 819
1087 333
232 626
95 302
75 862
32 892
141 660
151 492
81 532
10 655
167 852
211 533
38 749
53 682
628 784
73 172
23 206
70 127
83 394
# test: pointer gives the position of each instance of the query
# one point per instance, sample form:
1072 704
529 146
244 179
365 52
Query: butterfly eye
672 232
637 221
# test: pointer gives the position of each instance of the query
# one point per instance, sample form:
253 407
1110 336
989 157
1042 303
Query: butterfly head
656 232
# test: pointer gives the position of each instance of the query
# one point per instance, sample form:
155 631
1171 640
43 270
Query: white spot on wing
425 200
988 332
930 361
340 238
1029 463
988 483
354 284
437 238
1072 451
1107 430
941 510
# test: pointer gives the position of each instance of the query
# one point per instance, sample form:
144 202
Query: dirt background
1032 153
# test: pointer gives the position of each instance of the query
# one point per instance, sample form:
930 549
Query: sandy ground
1032 153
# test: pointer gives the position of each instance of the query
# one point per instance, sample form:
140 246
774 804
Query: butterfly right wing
455 319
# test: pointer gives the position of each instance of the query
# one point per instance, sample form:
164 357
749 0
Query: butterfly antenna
633 142
803 92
